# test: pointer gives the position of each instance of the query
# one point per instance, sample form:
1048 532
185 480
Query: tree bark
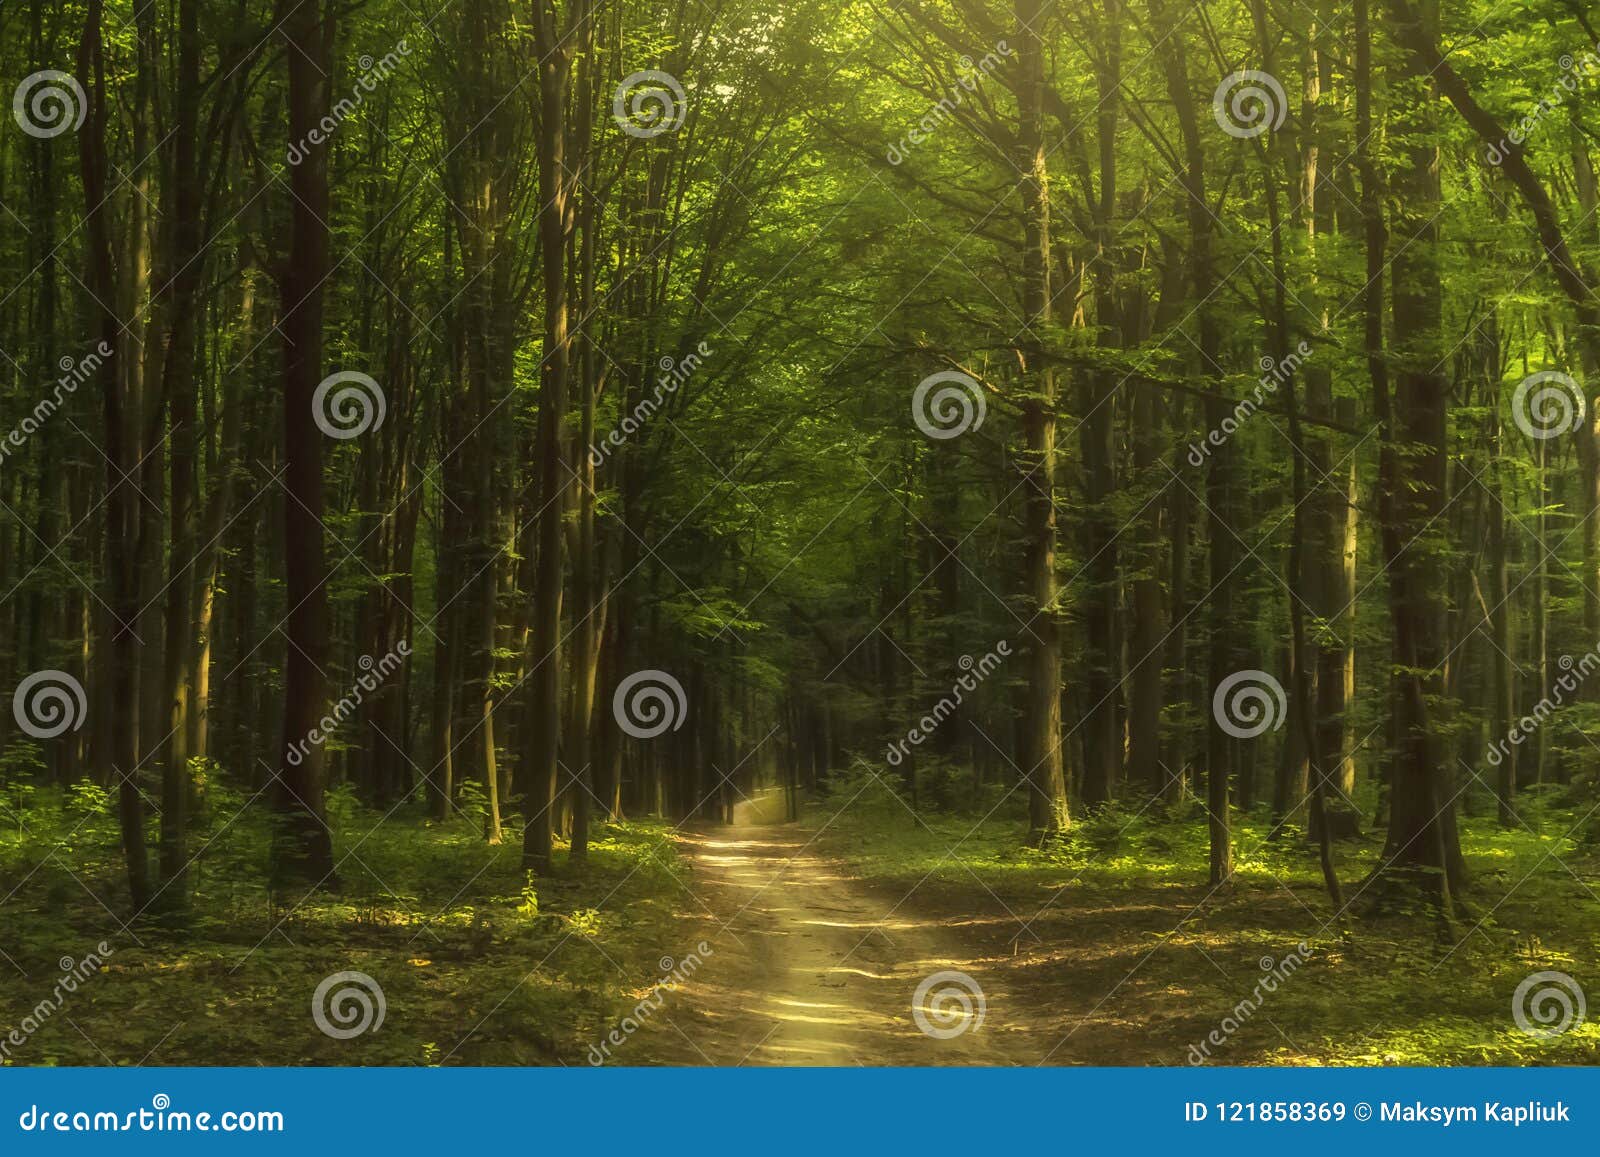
1422 844
303 852
122 591
544 699
1040 752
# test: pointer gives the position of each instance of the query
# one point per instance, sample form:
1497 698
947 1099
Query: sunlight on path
808 970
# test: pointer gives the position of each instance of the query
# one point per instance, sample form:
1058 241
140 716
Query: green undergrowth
478 963
1117 926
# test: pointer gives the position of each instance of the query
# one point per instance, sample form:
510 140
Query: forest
799 532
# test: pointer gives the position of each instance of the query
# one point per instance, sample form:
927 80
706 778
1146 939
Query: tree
304 851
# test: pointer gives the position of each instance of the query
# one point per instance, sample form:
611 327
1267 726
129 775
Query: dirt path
806 968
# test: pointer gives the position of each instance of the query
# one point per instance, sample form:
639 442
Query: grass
1107 948
1120 952
478 964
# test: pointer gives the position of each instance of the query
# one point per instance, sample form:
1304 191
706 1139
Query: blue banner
811 1111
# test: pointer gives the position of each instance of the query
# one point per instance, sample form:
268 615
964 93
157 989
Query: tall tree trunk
303 852
1299 495
483 265
184 267
1219 477
544 699
1330 512
122 591
1502 712
1041 728
1422 844
585 627
1102 735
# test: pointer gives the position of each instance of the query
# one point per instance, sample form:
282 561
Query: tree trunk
1422 845
1041 729
184 268
544 699
1219 485
303 852
122 591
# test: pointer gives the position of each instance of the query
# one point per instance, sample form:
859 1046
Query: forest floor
1112 949
475 963
771 943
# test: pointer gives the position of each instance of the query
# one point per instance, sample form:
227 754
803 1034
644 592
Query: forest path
806 967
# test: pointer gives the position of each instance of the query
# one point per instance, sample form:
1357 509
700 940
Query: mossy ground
1119 951
1108 947
478 963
